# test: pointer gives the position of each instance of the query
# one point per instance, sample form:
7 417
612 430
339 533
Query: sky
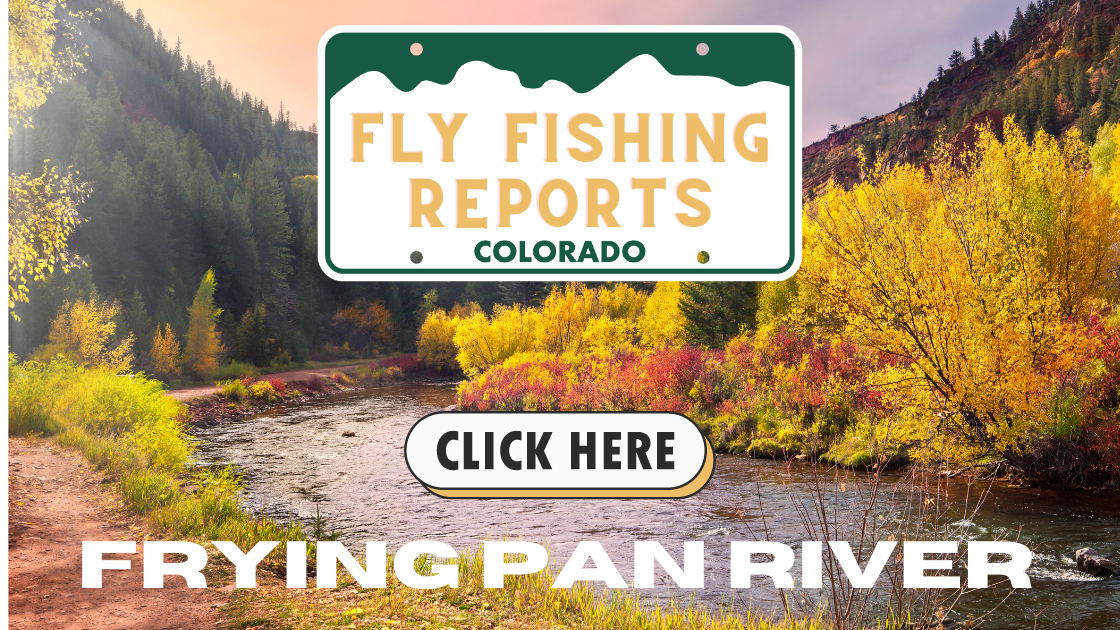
860 57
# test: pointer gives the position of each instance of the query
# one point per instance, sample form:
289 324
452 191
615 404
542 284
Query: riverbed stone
1092 562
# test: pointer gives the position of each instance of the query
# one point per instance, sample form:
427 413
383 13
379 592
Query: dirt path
56 500
295 375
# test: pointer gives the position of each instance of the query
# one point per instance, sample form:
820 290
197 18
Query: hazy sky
861 57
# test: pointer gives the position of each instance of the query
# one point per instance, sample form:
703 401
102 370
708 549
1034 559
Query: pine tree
956 59
1017 24
484 293
1071 38
262 200
251 341
977 49
136 319
203 342
1047 112
716 312
992 44
1100 39
1066 78
1105 99
523 293
1082 92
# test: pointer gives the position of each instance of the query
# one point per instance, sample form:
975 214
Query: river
297 464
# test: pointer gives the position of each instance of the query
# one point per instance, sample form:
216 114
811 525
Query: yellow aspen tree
83 333
36 61
203 342
166 358
661 322
604 335
966 274
41 210
435 345
42 214
564 316
483 342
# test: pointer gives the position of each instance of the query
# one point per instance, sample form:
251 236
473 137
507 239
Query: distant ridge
1055 68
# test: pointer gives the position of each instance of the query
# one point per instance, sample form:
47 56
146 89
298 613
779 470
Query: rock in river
1093 563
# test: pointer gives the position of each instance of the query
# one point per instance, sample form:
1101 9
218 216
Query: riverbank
56 500
783 393
198 391
728 434
251 395
364 471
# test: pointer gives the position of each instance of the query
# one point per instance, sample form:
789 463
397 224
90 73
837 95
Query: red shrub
1100 400
535 385
406 362
814 371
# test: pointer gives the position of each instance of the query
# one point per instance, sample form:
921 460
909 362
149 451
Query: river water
296 464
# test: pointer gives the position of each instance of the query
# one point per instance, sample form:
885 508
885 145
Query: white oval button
559 454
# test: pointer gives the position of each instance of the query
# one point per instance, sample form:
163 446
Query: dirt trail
295 375
55 501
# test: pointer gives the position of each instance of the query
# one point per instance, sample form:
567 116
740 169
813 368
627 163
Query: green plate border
772 56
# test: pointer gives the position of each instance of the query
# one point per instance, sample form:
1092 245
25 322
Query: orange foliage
370 321
165 354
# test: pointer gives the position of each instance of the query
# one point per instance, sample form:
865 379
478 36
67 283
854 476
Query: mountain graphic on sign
642 70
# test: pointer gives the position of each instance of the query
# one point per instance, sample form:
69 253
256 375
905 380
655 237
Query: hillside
186 173
1055 68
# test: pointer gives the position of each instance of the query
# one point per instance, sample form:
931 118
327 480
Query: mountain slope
187 174
1054 69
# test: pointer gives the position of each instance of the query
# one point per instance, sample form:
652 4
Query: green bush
232 389
766 447
28 388
853 452
728 433
236 370
127 426
860 448
370 375
49 398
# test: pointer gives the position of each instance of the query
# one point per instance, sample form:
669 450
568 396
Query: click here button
559 454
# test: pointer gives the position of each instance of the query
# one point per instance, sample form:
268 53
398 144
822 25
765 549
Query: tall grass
126 426
233 389
526 601
370 375
583 606
236 370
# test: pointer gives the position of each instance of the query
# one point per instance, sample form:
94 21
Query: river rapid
297 464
